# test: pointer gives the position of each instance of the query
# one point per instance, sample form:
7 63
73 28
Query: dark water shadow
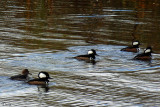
93 62
146 62
43 88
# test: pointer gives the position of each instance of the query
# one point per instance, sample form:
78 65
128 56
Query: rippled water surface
45 35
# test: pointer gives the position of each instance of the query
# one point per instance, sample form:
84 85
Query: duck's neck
92 56
136 46
148 54
44 79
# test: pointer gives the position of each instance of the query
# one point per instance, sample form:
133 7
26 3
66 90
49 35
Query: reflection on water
43 88
45 36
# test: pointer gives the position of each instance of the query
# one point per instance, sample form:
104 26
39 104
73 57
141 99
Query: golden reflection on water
49 18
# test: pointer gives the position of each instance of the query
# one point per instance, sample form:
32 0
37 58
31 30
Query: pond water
44 35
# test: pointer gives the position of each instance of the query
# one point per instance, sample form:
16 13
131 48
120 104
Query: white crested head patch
147 51
42 75
90 52
135 43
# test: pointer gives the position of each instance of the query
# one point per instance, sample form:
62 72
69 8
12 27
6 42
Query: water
44 35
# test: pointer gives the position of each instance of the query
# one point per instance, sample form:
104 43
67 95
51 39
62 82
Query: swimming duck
41 80
21 77
146 55
90 56
133 48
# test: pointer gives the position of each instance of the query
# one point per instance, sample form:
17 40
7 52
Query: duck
90 56
21 77
133 48
146 55
41 80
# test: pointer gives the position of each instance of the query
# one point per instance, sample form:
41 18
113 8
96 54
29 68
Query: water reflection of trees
147 13
85 17
147 10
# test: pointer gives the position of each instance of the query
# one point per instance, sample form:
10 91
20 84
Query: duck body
85 57
130 49
38 81
42 80
21 77
143 57
133 48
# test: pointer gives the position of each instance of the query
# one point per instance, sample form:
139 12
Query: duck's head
44 75
92 52
25 72
135 43
148 50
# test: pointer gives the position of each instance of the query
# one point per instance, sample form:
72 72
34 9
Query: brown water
43 35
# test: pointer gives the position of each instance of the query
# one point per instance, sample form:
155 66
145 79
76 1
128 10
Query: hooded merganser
146 55
21 77
41 80
133 48
90 56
